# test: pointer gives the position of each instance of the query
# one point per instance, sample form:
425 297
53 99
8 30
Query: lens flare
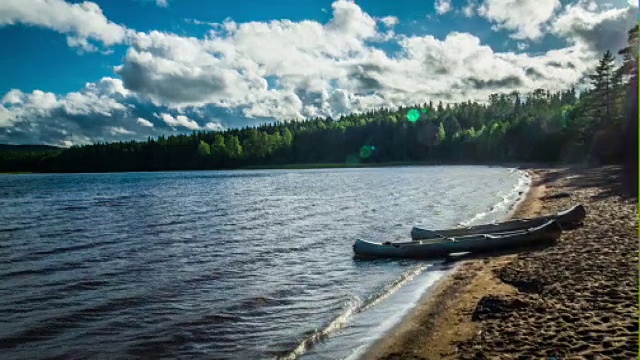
413 115
366 151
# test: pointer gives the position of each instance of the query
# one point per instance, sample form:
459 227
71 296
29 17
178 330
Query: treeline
599 126
26 158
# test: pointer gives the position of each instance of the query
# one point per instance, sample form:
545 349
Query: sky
79 72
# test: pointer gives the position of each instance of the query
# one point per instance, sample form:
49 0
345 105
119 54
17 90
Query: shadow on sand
452 258
612 180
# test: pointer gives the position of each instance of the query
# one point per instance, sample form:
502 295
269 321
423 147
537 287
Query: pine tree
629 75
602 96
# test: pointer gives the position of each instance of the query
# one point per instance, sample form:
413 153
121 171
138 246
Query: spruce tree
602 99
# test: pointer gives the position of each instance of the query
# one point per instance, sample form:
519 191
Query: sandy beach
576 299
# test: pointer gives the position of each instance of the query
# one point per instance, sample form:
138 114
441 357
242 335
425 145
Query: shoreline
312 166
459 318
421 323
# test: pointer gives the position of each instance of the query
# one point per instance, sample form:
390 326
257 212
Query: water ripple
230 264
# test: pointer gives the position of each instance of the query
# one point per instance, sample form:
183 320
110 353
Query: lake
222 264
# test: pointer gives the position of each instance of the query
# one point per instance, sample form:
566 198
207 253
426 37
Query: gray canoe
566 219
546 233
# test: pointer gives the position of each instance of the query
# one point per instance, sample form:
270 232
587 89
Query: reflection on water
232 264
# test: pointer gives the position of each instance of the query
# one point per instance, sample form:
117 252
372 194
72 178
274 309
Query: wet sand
576 299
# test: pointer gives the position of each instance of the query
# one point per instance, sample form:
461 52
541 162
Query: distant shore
577 298
390 164
321 166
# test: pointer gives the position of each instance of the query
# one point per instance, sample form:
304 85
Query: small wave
60 233
212 319
509 201
394 286
62 250
50 328
354 306
255 302
44 271
74 208
317 336
15 228
170 223
475 218
84 285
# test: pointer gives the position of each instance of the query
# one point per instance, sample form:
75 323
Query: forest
600 126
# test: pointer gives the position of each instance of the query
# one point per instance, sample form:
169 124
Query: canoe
567 219
546 233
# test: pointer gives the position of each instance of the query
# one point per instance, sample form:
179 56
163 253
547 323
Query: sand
576 299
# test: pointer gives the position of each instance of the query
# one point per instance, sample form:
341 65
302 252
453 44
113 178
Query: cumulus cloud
526 17
442 6
600 29
247 73
98 112
315 69
228 68
214 126
119 130
179 120
390 21
144 122
7 117
80 22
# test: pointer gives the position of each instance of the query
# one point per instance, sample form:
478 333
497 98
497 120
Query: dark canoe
567 219
546 233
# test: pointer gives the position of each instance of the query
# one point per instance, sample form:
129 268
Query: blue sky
78 72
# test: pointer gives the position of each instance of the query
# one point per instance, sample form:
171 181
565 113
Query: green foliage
442 135
204 149
539 126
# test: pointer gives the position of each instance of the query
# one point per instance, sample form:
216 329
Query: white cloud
162 3
37 102
178 121
604 29
290 70
82 43
144 122
83 103
390 21
200 22
14 96
95 113
442 6
470 9
351 20
213 126
119 130
282 70
526 17
7 117
80 22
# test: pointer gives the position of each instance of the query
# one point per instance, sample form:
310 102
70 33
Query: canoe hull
566 219
544 234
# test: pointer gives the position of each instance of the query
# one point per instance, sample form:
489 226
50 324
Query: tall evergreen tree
629 75
602 100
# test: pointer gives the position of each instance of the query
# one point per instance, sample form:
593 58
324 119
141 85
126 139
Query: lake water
222 264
